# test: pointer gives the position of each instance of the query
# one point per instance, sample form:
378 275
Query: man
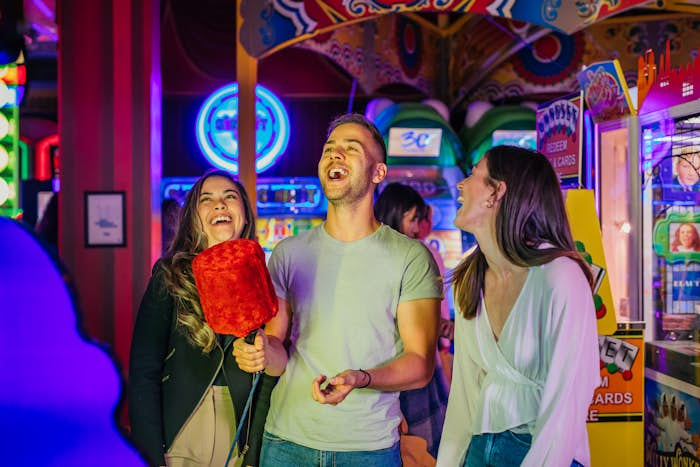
359 301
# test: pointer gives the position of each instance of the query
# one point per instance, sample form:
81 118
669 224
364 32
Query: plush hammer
234 286
237 296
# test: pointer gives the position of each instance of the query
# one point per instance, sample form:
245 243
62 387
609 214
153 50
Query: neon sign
217 128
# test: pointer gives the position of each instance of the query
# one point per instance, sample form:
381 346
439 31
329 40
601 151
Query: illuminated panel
414 142
42 163
522 138
217 128
14 77
9 140
4 159
289 196
23 160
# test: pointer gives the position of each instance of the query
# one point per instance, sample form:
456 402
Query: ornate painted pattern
621 41
551 59
398 58
267 25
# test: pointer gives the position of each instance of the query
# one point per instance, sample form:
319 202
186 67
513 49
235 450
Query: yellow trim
442 32
330 12
677 5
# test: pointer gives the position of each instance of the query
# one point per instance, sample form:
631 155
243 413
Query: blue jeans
277 452
499 449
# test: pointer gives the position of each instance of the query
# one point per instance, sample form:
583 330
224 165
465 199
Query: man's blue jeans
277 452
499 449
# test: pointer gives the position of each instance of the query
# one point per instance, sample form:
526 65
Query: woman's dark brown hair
189 240
531 223
396 200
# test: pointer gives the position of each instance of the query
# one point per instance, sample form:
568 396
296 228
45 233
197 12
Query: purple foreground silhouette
58 391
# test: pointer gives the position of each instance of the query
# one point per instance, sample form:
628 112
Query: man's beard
349 194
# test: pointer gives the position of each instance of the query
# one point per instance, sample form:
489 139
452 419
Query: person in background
526 343
362 303
686 238
402 208
186 388
425 227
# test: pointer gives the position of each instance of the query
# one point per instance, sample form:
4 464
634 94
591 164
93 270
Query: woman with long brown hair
526 344
187 387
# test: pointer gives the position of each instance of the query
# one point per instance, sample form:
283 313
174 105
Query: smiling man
361 303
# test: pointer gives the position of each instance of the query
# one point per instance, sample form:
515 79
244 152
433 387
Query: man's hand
338 387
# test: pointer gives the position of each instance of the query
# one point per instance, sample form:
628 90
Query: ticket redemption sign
559 126
615 416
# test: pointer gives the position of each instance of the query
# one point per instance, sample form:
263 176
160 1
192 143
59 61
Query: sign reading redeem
558 138
414 142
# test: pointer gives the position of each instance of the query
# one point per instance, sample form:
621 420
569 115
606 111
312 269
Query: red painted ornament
600 312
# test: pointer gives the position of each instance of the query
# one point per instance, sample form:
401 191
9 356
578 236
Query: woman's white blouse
541 373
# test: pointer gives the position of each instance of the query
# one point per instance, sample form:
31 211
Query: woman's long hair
531 213
189 240
396 200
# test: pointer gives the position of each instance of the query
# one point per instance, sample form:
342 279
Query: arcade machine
669 122
610 142
487 126
426 154
286 206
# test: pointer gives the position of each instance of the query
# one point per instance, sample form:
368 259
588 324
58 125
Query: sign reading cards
558 138
217 128
414 142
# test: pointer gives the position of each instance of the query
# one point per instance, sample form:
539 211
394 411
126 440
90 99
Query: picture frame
671 234
105 219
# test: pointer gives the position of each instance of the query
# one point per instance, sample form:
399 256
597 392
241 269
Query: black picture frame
105 219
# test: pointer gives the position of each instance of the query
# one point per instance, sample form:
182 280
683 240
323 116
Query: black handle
250 338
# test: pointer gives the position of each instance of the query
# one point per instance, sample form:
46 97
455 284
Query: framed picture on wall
105 219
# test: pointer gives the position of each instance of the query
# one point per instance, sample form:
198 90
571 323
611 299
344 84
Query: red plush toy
234 286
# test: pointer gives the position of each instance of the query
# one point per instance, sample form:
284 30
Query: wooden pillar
109 89
247 77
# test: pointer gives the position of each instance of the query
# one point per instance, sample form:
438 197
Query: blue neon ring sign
217 128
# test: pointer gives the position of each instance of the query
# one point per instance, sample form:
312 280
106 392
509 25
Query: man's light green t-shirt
344 297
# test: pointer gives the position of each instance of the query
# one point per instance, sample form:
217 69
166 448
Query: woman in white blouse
526 346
